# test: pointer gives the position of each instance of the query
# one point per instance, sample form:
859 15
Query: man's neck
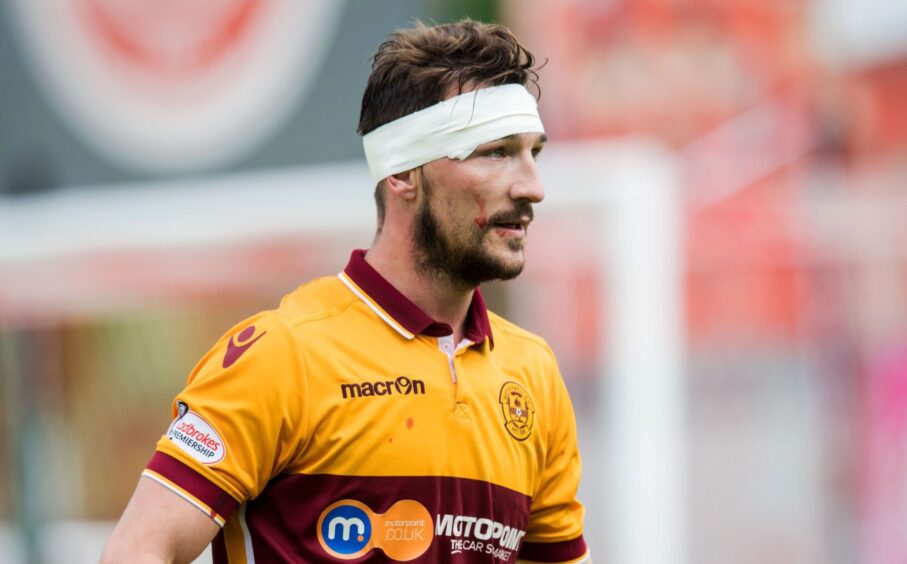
437 297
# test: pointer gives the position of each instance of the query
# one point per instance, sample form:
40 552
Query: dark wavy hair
418 67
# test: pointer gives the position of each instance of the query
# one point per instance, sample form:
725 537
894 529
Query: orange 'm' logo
519 412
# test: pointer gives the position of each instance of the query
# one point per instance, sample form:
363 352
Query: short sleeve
555 532
239 421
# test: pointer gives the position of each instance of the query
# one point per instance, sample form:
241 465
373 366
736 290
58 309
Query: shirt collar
401 313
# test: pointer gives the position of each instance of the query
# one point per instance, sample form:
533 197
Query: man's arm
158 526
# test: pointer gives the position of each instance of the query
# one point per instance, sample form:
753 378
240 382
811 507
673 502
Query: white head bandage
452 128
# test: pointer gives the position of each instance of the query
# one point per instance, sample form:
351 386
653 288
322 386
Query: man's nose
528 185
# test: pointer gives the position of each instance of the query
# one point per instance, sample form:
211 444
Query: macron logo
402 386
239 344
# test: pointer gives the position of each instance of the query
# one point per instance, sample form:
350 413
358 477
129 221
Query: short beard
463 265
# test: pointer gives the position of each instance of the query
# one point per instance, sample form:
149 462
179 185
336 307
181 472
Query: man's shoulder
511 336
317 299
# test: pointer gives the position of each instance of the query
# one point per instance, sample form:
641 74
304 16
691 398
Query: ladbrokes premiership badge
519 412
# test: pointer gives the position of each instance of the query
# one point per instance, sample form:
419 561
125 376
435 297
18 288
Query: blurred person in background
385 409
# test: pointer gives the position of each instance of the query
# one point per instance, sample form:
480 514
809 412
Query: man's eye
497 152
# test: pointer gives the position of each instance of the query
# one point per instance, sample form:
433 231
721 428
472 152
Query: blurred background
722 272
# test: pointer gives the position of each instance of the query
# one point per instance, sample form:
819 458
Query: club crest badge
518 409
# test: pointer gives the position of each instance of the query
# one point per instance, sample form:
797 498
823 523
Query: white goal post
641 436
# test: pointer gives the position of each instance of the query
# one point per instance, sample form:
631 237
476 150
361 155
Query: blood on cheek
480 220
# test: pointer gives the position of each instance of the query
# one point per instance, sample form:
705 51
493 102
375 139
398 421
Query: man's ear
403 184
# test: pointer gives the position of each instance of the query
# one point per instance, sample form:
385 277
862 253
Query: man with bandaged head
383 414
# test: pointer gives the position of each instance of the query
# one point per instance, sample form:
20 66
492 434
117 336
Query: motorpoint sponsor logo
349 529
479 534
197 438
345 530
401 386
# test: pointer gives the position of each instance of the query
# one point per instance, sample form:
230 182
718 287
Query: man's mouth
518 220
510 227
514 222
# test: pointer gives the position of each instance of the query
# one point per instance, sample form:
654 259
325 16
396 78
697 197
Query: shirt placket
454 354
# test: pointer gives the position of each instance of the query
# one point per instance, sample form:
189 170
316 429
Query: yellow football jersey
348 425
